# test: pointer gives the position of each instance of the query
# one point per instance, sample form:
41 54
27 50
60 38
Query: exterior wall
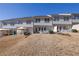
20 31
1 33
42 26
42 22
24 25
19 25
7 26
49 25
30 30
63 28
66 30
61 21
42 29
1 24
75 21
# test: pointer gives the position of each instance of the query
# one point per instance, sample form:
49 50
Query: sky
18 10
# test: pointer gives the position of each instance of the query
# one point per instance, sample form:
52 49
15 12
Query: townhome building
42 24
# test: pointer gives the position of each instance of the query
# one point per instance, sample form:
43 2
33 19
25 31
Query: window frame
37 20
47 20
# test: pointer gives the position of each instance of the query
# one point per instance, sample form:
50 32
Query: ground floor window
65 27
39 29
45 28
42 29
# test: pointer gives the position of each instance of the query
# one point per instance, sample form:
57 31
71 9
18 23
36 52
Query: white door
55 29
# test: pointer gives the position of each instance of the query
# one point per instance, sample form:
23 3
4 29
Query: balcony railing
75 20
62 22
43 23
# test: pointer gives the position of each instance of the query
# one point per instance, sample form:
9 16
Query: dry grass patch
8 41
45 45
65 34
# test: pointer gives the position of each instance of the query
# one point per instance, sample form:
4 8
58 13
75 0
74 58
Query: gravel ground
41 45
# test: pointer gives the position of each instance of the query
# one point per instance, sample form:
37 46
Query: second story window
28 22
5 24
66 18
46 19
12 24
76 17
19 22
37 20
56 19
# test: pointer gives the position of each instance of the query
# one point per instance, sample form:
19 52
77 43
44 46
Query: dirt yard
40 45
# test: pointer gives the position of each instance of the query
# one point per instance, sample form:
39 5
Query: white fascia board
49 15
64 14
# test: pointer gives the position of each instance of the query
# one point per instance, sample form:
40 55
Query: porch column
32 30
43 28
70 28
37 28
58 28
62 30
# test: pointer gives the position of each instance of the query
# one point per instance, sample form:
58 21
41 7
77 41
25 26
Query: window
5 23
12 24
46 19
42 29
45 28
76 17
65 27
19 22
66 18
28 22
39 28
37 20
56 19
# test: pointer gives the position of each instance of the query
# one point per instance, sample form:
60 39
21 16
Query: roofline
49 15
15 18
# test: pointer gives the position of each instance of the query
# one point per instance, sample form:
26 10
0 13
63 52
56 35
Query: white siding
61 21
75 20
42 22
24 24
